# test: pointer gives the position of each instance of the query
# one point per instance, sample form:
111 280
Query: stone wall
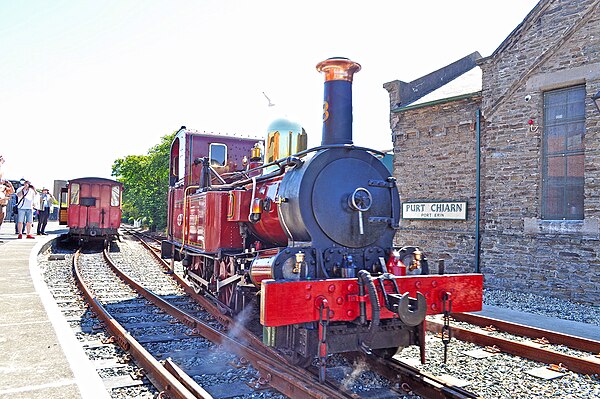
435 160
557 46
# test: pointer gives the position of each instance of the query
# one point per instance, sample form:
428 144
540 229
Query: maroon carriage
91 207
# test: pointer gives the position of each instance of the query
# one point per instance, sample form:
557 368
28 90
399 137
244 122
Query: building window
563 156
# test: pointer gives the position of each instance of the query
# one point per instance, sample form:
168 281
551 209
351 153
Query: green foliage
145 181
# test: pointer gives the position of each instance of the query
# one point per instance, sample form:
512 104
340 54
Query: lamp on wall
596 100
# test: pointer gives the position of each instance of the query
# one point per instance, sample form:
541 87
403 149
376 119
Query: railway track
386 378
500 359
271 372
496 376
354 375
402 377
538 349
542 345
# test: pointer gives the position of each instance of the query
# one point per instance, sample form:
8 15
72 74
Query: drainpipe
477 185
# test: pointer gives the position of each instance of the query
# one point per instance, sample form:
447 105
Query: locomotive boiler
305 235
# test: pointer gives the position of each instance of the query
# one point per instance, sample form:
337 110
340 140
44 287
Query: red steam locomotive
91 208
306 234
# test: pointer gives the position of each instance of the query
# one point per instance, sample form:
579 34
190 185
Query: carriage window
115 196
74 194
217 154
563 156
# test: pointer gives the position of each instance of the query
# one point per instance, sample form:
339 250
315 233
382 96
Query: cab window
217 154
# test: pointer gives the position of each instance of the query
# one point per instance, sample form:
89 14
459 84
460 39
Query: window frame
115 195
74 194
210 152
565 185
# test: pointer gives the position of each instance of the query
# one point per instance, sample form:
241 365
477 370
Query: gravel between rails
499 376
503 376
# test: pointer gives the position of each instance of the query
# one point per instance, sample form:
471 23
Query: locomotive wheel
224 269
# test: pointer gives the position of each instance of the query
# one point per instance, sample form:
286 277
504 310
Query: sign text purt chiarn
443 210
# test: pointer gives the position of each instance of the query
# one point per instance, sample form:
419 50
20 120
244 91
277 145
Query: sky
86 82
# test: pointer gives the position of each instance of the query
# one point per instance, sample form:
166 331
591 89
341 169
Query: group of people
27 200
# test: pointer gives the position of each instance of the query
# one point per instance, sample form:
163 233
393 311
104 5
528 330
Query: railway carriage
91 208
305 236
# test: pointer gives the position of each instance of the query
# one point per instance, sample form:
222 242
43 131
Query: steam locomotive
306 235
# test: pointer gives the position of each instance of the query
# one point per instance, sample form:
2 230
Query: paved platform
577 329
39 355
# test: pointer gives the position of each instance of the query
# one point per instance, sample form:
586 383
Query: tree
145 181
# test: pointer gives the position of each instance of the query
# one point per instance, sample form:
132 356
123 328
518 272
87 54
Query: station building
498 158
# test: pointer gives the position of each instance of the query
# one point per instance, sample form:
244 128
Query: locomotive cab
197 162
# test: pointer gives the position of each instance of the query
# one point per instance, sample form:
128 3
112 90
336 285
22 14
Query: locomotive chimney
337 102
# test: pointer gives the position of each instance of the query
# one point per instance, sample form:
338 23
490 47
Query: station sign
445 210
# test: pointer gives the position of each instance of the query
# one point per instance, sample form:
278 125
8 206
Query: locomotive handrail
314 149
238 183
287 161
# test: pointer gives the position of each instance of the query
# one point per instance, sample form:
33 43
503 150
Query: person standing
6 189
46 201
26 196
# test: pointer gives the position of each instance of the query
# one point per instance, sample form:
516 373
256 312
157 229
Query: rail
291 381
160 377
530 351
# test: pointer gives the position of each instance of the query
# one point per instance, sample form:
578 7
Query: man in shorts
26 196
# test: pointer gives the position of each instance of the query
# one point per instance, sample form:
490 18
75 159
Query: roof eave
437 102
